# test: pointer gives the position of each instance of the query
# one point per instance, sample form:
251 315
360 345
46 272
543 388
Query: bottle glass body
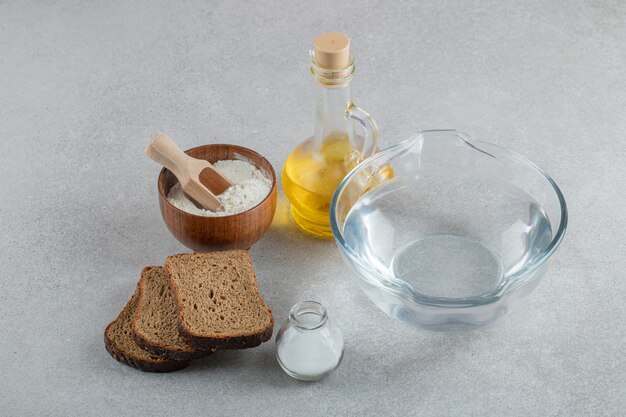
315 168
309 346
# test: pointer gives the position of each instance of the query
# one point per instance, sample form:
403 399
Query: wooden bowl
236 231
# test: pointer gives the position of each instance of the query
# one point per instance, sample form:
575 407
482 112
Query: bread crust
168 353
150 345
128 358
142 365
232 341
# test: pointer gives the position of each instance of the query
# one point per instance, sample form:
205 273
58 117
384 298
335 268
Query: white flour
250 188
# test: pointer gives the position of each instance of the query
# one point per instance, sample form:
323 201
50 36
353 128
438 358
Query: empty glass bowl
462 230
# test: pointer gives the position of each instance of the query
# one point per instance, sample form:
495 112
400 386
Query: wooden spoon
198 178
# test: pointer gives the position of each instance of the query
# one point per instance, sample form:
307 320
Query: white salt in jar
309 346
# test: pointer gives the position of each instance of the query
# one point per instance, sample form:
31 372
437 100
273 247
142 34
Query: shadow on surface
289 262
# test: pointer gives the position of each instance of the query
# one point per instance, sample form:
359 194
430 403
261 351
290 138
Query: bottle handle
370 144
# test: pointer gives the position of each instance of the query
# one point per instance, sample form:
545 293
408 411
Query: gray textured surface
82 88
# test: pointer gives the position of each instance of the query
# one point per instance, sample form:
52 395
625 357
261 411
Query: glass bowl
461 230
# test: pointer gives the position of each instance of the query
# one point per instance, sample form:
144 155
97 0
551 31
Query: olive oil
315 168
310 179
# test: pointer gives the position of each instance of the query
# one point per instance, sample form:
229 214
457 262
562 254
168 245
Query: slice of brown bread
219 304
119 343
155 326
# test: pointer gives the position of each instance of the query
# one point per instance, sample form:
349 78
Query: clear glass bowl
461 231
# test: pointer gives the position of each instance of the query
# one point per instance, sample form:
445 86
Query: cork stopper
332 50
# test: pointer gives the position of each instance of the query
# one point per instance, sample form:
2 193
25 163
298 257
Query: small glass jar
308 345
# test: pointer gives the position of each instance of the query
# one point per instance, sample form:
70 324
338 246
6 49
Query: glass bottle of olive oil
315 168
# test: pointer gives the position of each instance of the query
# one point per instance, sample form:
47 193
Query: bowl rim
163 197
401 288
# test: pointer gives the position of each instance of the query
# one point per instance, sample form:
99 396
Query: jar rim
315 312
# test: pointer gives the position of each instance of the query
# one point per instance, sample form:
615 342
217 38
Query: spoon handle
164 151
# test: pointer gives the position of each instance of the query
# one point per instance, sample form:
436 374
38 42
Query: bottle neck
330 113
308 315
